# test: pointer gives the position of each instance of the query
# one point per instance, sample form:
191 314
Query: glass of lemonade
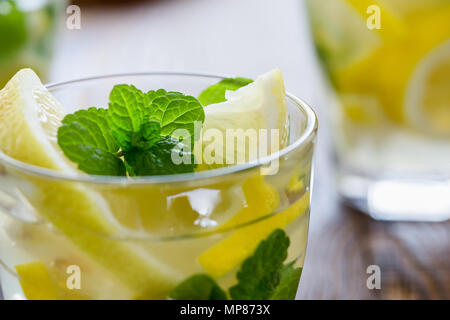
27 30
103 237
389 65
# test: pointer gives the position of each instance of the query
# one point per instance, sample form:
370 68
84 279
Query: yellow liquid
182 229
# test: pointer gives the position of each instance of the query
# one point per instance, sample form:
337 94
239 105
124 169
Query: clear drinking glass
139 238
27 32
389 66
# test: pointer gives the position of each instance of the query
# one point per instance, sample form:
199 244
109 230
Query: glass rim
306 137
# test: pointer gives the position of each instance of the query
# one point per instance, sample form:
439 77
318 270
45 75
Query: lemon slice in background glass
387 71
427 99
340 32
413 9
391 25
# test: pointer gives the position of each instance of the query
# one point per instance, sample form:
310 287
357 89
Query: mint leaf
102 163
137 126
260 274
85 138
158 159
153 94
147 136
128 111
198 287
289 280
216 92
173 110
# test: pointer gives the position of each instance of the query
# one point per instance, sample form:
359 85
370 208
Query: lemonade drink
389 66
201 235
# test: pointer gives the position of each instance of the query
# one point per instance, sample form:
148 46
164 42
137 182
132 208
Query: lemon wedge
29 118
427 100
36 282
261 105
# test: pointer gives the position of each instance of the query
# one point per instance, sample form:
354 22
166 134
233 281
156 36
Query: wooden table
248 38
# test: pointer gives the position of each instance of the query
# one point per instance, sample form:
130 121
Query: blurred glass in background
27 32
389 65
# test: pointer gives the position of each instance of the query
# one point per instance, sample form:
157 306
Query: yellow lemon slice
36 282
259 105
427 100
262 200
29 118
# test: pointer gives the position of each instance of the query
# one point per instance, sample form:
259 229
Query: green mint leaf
136 126
153 94
147 136
85 138
173 110
102 163
127 112
198 287
289 280
158 159
260 274
216 92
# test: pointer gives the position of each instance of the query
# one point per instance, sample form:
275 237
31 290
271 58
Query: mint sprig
262 276
133 135
216 92
147 136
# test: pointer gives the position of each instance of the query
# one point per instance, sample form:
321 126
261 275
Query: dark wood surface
414 258
248 38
